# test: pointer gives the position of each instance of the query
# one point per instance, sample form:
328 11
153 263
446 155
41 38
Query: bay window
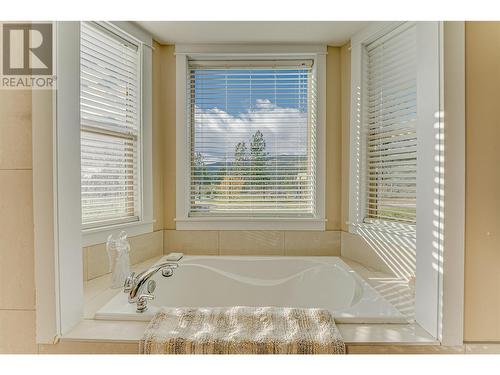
251 146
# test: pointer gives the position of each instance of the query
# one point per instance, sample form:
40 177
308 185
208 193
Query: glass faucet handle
129 283
167 272
151 286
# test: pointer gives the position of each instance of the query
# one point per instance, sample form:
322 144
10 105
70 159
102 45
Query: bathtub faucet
137 285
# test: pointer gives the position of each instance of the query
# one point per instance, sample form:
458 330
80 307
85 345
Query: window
390 118
110 108
397 155
252 139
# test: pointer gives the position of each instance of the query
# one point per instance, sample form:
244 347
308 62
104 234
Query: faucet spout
135 284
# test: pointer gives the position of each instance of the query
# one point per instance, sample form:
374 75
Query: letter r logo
27 49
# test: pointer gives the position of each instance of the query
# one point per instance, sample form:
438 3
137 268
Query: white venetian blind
390 115
252 138
110 127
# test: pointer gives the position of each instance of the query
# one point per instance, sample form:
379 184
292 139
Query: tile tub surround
101 336
17 302
117 337
267 243
143 247
262 243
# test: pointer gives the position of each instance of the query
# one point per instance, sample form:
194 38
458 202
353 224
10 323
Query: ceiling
318 32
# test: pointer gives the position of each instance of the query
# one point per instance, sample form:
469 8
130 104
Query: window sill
385 227
96 236
234 223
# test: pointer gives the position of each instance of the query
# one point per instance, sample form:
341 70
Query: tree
258 158
200 169
240 160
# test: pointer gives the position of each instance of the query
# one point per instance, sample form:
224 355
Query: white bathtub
322 282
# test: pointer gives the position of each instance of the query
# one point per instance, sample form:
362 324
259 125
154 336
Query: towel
242 330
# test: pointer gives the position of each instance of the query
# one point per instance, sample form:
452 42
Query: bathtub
218 281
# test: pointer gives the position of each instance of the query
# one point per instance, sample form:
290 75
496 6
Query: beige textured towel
242 330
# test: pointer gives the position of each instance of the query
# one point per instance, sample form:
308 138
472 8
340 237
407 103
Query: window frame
366 217
358 140
230 52
98 234
431 227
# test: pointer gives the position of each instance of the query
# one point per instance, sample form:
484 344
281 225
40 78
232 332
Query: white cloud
284 129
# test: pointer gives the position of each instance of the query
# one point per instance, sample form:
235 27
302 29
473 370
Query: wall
158 136
482 276
17 295
231 242
345 87
142 247
482 233
250 242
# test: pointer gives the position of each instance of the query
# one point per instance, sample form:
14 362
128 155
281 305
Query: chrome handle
146 296
142 302
171 265
167 272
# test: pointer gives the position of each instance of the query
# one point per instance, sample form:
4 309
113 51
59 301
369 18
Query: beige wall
158 136
276 242
142 248
482 234
234 242
333 139
165 56
17 294
482 271
345 86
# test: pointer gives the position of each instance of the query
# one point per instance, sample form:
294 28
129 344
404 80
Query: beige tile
146 246
312 243
251 243
84 347
17 332
16 240
142 248
397 291
191 242
15 129
97 261
107 330
483 348
404 349
386 334
371 254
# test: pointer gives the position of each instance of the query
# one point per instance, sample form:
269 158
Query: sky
231 105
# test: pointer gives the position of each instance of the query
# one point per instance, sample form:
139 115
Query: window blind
110 127
390 117
252 138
